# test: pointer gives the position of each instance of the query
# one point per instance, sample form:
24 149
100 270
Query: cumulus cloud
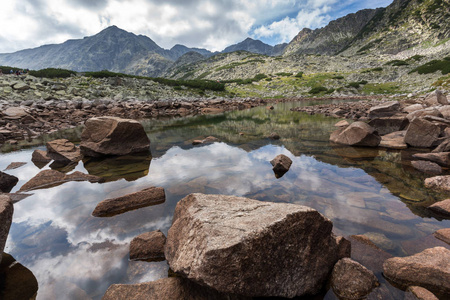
194 23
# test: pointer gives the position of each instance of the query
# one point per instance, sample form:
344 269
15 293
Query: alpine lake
73 255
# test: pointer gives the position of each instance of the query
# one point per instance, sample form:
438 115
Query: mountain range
403 25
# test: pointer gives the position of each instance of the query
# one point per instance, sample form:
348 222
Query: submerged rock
51 178
357 134
7 182
441 158
6 214
165 289
148 246
113 136
351 280
247 247
427 167
281 165
429 269
144 198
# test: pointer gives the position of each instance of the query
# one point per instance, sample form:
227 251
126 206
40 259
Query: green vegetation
236 64
369 46
355 85
338 77
286 74
396 63
6 69
434 66
53 73
257 78
299 75
203 75
196 84
318 90
415 57
377 69
381 88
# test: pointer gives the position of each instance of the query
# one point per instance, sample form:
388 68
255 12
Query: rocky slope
332 38
256 46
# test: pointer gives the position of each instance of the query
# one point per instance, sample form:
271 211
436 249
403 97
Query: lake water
77 256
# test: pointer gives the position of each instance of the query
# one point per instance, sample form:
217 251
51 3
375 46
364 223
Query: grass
285 74
434 66
397 63
381 88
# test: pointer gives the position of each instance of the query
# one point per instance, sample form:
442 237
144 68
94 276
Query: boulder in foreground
429 269
356 134
252 248
113 136
351 280
165 289
421 133
419 293
148 246
6 214
144 198
441 183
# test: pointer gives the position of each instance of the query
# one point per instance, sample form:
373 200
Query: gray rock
6 214
429 269
357 134
144 198
148 246
432 111
351 280
422 133
113 136
7 182
21 86
63 151
165 289
413 108
247 247
384 110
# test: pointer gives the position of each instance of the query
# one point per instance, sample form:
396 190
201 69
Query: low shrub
353 85
338 77
434 66
396 63
318 90
299 75
53 73
286 74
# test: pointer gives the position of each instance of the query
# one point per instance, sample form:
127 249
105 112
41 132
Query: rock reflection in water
128 167
16 281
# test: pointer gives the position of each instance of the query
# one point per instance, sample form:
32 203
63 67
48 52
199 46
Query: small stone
441 207
144 198
357 134
15 165
63 151
40 158
351 280
281 165
443 235
384 110
148 246
342 123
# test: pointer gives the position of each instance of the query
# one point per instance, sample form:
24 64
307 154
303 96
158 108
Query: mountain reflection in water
363 191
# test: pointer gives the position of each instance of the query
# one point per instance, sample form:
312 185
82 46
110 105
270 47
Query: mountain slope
402 25
332 38
255 46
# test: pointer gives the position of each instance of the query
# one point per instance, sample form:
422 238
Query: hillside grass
434 66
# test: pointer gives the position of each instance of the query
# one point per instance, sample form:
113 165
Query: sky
208 24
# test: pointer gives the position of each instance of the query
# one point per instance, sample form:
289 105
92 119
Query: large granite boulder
441 183
113 136
384 110
7 182
16 281
422 133
148 246
165 289
6 214
351 280
356 134
431 111
146 197
247 247
429 269
63 151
